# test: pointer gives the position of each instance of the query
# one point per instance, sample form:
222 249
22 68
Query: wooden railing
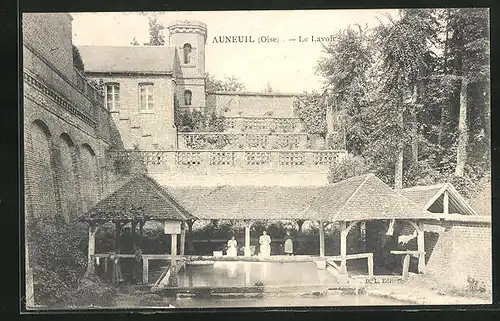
201 161
343 262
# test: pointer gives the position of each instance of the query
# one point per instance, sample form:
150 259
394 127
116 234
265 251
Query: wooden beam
343 246
321 239
421 247
118 230
141 233
446 203
248 225
173 247
370 266
91 249
406 266
145 270
183 238
299 224
134 235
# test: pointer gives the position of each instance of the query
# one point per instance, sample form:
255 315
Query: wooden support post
406 266
190 226
300 223
446 203
118 229
141 233
248 224
173 247
145 270
90 264
321 239
343 247
370 266
134 235
421 247
362 229
183 238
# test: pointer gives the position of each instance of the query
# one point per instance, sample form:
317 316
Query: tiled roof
421 194
359 198
140 198
141 59
431 198
245 202
364 197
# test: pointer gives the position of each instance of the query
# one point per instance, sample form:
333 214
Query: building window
187 97
187 53
112 96
146 100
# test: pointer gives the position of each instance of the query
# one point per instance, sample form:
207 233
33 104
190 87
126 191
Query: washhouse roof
363 198
359 198
245 202
431 198
140 198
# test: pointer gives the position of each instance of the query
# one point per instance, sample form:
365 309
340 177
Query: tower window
187 97
187 52
112 96
146 100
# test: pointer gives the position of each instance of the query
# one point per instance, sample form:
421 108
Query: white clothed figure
232 247
265 244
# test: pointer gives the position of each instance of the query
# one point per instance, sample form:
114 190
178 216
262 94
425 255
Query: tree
77 59
231 83
346 70
134 42
403 46
269 88
470 47
156 37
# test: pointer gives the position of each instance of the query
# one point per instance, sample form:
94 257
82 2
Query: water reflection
249 273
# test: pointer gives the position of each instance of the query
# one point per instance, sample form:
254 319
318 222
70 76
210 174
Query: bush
350 166
58 257
91 292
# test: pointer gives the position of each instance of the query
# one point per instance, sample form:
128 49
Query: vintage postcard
179 160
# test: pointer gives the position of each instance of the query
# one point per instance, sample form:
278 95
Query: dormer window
146 100
112 96
187 53
187 97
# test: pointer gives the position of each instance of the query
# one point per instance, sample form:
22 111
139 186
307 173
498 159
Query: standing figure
265 244
288 244
232 247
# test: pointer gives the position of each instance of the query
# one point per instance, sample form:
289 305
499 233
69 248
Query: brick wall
51 35
461 251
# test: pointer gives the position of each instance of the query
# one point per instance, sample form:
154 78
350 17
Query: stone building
261 140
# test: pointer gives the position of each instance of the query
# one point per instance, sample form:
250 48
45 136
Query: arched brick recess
89 177
39 174
68 178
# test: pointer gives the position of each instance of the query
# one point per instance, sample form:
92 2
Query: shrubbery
58 258
350 166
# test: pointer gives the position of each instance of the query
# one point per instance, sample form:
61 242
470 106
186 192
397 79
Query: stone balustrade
206 162
229 141
263 124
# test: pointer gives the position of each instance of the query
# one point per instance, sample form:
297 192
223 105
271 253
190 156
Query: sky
288 66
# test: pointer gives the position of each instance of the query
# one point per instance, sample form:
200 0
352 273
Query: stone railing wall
228 161
225 141
263 124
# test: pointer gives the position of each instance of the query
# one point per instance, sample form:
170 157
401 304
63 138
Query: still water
228 274
249 273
